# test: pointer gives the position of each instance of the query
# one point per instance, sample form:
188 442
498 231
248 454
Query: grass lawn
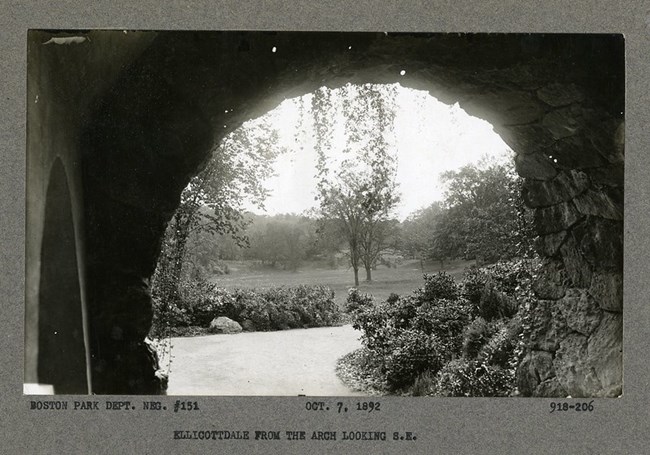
401 280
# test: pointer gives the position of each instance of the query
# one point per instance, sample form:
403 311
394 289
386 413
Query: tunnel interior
165 98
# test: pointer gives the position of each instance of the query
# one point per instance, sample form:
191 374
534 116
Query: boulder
535 166
577 268
223 324
563 122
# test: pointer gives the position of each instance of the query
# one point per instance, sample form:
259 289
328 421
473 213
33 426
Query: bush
403 311
377 328
447 339
360 370
439 286
194 304
501 349
475 336
356 301
423 384
496 305
469 378
474 281
167 315
411 353
446 319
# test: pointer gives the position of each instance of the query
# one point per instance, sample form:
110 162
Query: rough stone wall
575 184
556 100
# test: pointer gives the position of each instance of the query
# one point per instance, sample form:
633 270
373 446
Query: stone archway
556 100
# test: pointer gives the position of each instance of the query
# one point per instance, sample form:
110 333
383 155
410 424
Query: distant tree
485 218
213 201
357 191
280 240
417 231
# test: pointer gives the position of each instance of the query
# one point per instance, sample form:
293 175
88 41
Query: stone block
536 367
607 139
611 175
552 281
549 245
558 95
605 354
555 218
601 243
564 187
526 139
563 122
547 326
578 269
535 166
514 107
607 290
551 388
573 152
573 367
598 203
580 310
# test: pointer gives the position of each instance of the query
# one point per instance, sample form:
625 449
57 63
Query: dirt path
288 363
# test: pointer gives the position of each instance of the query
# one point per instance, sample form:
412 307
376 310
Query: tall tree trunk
368 273
356 276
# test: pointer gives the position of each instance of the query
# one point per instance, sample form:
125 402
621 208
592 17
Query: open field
401 280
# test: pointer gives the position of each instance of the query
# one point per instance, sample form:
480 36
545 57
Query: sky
430 138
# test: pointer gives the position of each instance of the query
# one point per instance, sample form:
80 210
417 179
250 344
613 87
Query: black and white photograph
328 214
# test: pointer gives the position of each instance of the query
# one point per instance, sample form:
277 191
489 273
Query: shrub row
255 309
280 308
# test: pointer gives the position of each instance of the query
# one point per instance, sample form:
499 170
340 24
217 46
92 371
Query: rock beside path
224 325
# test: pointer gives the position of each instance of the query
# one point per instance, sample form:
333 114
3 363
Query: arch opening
438 138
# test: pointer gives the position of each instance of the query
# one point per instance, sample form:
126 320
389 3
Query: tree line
482 218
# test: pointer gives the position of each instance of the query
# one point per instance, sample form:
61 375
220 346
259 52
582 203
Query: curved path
289 363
